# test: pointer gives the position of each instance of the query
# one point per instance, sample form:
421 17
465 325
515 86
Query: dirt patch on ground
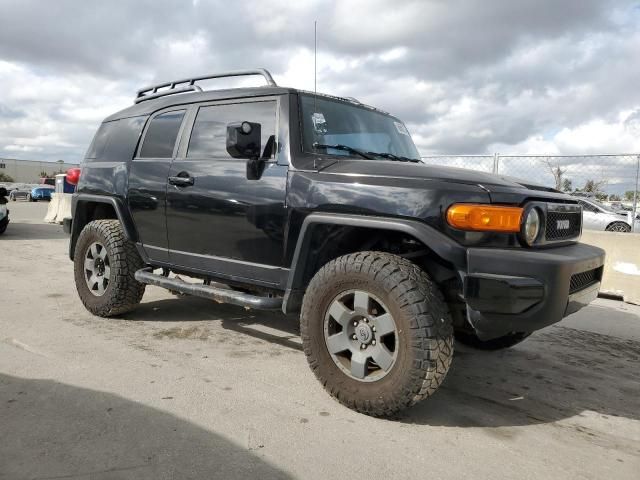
191 333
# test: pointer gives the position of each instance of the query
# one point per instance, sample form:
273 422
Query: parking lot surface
186 388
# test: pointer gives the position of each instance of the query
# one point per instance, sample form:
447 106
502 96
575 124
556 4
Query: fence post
496 159
635 195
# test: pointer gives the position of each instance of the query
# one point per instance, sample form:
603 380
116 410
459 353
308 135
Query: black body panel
550 268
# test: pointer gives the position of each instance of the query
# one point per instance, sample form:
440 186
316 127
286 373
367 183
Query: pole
315 60
495 163
635 195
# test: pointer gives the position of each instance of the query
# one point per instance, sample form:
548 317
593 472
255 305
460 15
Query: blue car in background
41 193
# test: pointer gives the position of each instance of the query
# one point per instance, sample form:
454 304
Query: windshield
602 206
348 127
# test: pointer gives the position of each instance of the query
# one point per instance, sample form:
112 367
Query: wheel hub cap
364 333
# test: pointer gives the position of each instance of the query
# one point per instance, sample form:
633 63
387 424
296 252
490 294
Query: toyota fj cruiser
280 199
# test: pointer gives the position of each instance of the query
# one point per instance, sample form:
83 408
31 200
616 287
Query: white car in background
596 216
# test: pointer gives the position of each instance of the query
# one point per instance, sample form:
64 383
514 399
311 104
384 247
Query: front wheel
376 331
619 227
105 263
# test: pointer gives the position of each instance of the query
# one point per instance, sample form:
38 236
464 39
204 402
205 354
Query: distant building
29 171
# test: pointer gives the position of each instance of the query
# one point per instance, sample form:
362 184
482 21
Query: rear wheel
506 341
104 266
376 332
619 227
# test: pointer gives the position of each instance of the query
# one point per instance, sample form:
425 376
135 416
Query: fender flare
443 246
118 206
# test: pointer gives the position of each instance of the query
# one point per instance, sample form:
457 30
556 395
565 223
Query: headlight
531 226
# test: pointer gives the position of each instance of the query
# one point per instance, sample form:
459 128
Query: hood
487 181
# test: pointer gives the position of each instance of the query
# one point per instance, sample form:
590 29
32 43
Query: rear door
220 221
148 180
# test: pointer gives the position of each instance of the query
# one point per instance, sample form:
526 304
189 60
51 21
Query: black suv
276 198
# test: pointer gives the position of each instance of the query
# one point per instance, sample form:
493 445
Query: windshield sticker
319 123
401 128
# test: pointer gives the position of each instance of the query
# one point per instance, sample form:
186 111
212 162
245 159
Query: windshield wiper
391 156
345 148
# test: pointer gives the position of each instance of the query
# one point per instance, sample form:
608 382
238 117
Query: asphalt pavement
185 388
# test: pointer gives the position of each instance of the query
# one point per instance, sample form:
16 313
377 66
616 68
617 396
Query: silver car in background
596 216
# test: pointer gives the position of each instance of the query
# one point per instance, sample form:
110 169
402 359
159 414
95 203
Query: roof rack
188 84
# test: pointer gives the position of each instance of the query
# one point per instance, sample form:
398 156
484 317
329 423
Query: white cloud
589 138
467 76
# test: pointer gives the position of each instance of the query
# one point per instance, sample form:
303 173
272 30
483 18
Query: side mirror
3 192
243 140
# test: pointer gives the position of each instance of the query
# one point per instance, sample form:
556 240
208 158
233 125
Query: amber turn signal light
485 218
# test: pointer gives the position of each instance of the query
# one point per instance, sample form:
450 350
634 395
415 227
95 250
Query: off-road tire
621 227
506 341
123 292
425 332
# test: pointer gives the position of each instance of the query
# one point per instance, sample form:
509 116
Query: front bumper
525 290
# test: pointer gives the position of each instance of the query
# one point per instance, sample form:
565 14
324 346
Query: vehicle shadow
33 231
54 430
556 373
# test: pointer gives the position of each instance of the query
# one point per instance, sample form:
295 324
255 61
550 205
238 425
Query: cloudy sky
468 77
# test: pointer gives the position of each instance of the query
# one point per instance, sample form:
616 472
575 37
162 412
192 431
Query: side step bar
221 295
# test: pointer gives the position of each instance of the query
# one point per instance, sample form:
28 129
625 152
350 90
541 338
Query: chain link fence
607 177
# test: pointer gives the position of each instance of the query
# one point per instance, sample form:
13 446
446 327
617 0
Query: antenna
315 57
315 75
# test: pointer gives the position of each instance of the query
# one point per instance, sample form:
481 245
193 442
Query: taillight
73 176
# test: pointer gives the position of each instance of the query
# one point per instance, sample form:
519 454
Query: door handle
181 180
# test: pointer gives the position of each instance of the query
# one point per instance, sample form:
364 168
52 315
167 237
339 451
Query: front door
218 221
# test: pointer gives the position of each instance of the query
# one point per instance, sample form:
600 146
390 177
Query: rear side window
209 134
100 141
161 135
116 141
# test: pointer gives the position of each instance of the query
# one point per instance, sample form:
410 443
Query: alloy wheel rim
619 227
361 335
97 269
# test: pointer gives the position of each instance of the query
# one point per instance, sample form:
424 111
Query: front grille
564 222
583 280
